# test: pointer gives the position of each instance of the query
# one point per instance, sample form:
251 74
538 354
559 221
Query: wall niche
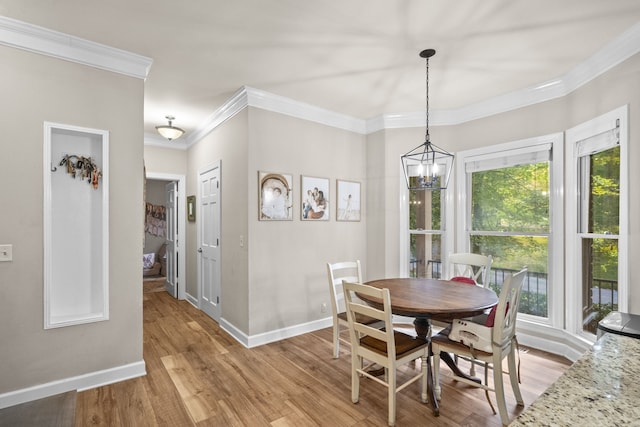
76 225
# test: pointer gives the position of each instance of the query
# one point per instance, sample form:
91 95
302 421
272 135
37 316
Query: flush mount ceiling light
427 167
169 131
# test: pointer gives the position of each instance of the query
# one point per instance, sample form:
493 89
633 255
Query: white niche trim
76 225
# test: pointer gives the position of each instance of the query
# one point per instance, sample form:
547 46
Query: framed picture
314 199
191 208
275 199
347 200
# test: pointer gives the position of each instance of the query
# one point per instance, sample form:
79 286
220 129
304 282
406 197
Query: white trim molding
80 383
22 35
250 341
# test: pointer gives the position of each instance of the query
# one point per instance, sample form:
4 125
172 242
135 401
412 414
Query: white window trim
556 232
578 133
447 231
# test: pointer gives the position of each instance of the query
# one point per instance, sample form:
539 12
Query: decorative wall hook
81 167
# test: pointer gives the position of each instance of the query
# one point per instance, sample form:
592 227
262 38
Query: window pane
424 210
603 196
511 199
599 281
512 253
426 255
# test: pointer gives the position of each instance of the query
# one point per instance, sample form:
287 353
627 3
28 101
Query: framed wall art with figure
314 199
347 200
275 199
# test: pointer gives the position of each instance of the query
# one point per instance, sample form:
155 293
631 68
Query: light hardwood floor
198 375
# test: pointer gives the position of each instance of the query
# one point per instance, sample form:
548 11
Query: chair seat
404 344
360 318
442 338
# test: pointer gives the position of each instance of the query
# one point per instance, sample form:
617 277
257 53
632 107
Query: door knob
200 250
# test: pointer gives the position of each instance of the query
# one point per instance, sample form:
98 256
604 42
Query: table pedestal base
423 329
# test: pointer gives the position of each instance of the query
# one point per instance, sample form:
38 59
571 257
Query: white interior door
171 202
208 221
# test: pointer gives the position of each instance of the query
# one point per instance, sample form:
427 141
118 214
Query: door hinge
218 299
217 184
217 242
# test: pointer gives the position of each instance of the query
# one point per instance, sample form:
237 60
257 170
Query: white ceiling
355 57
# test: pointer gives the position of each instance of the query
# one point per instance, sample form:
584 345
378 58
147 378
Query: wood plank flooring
197 375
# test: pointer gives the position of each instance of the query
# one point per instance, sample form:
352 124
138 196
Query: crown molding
279 104
32 38
250 97
230 108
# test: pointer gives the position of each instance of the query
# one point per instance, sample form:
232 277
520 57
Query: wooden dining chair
386 347
499 334
337 272
469 265
473 269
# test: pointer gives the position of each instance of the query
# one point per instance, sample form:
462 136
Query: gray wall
278 278
287 273
228 144
35 89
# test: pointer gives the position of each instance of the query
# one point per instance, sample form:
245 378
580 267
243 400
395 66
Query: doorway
171 189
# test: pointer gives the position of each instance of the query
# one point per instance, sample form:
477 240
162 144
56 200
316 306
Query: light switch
6 253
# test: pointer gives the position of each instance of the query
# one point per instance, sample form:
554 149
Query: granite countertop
602 388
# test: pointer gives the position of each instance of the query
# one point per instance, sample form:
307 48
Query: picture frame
191 208
314 199
275 196
348 201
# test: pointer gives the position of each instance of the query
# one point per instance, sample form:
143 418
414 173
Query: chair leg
513 375
423 366
355 377
498 384
392 394
336 340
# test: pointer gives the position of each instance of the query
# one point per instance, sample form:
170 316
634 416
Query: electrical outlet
6 253
323 307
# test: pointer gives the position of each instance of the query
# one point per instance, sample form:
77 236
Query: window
597 174
425 233
510 193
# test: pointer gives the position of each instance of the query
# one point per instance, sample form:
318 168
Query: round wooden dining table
433 299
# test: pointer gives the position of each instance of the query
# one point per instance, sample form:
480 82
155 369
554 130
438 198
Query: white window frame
589 129
556 224
447 238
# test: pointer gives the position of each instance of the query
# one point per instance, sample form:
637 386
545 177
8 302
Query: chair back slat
337 272
356 306
504 327
474 266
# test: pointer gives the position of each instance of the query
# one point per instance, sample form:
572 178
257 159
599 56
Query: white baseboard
80 383
552 340
276 335
192 300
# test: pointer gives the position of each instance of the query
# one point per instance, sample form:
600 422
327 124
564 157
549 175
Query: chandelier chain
427 100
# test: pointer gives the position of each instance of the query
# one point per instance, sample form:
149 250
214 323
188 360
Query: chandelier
427 167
